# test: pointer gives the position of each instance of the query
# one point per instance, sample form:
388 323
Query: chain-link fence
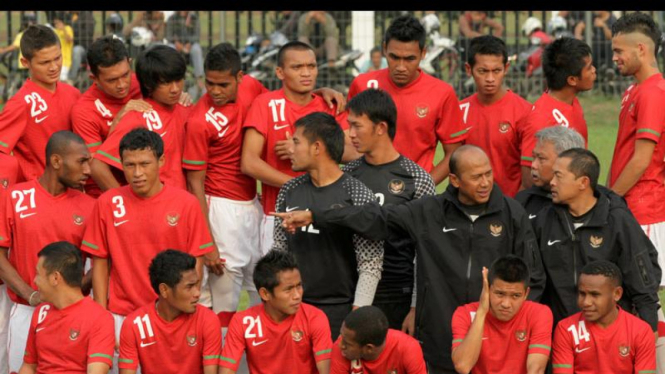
342 39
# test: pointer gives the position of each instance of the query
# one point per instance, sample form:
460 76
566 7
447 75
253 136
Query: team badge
496 229
172 218
296 335
191 339
624 350
520 335
4 182
396 186
630 108
392 371
78 220
596 241
504 127
336 206
73 334
422 110
356 367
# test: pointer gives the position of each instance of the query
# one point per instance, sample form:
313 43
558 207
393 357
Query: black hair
106 52
64 258
606 269
322 126
638 22
487 45
158 65
292 45
510 269
406 29
564 58
583 163
36 38
223 57
141 138
167 267
266 272
369 324
374 50
378 106
59 143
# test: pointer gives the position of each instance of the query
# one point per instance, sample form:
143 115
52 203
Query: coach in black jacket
584 225
456 234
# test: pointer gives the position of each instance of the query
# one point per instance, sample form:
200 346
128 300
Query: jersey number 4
253 329
579 332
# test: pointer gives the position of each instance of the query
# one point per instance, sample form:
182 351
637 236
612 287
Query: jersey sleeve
342 119
645 355
6 219
102 340
129 355
338 363
563 358
527 137
321 342
195 155
461 323
423 180
109 151
540 340
450 127
279 233
212 339
13 121
256 117
199 241
650 116
95 237
414 360
234 344
83 124
31 355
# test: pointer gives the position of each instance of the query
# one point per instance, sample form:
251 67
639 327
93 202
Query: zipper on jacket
468 266
572 234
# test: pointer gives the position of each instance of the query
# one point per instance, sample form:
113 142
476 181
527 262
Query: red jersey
427 110
92 118
29 119
548 111
68 340
168 123
627 346
31 218
402 355
214 143
131 231
506 345
9 171
642 117
495 129
272 115
292 346
186 344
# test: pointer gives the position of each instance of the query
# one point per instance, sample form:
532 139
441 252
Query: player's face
506 299
75 166
475 179
42 281
363 132
588 75
351 350
185 295
564 184
45 65
544 155
141 168
488 73
597 296
285 299
403 60
624 54
114 80
222 86
299 72
168 94
303 151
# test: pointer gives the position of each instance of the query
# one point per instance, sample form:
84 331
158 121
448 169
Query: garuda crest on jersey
296 335
78 220
73 334
4 182
596 241
496 229
396 186
422 110
504 127
172 218
624 350
520 335
191 339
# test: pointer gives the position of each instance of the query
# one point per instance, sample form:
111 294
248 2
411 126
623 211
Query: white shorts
64 73
118 321
267 232
656 232
5 311
19 326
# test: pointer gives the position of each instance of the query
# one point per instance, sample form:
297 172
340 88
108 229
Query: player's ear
163 290
526 294
264 293
24 62
239 76
572 80
279 72
161 161
467 67
56 161
454 180
618 293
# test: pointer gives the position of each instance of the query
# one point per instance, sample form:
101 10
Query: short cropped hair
36 38
168 266
266 272
406 29
638 22
59 143
583 163
322 126
158 65
564 58
223 57
606 269
378 106
487 45
369 324
106 52
292 45
64 258
510 269
141 138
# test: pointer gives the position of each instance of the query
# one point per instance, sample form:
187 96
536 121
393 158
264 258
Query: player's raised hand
333 97
485 294
132 105
185 99
294 219
283 147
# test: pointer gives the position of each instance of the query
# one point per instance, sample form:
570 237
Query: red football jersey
402 355
627 346
293 346
92 118
506 345
68 340
168 123
642 117
9 170
29 119
427 111
184 345
131 231
548 111
272 115
32 218
494 128
214 143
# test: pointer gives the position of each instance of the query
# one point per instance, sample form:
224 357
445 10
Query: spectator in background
66 35
152 20
601 44
376 61
27 19
183 34
473 23
83 24
286 22
319 29
114 24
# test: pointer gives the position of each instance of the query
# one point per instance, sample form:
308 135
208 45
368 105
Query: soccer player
583 225
602 338
173 334
494 113
394 179
41 107
569 70
286 334
456 233
69 333
34 214
133 223
336 277
503 332
366 345
427 108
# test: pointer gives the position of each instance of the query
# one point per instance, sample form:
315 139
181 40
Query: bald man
456 233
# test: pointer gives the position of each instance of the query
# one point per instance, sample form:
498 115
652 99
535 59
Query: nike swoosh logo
143 345
221 134
532 216
40 329
255 343
116 224
448 230
290 209
23 215
39 120
551 242
281 127
162 135
577 350
109 123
